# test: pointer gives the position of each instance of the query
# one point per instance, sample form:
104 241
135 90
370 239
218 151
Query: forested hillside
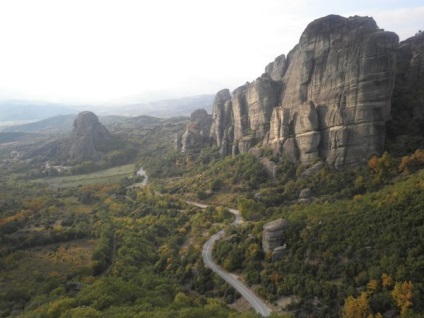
104 250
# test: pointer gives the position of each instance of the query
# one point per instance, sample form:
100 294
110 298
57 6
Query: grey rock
313 170
89 139
197 128
329 99
246 113
346 66
222 121
305 193
279 252
408 97
305 196
278 68
245 144
273 234
269 166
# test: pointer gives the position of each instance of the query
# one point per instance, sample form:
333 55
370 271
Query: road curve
258 305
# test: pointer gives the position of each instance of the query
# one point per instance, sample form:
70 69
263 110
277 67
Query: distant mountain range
47 117
61 124
17 110
162 108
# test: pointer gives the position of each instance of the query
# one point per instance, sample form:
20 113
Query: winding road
258 305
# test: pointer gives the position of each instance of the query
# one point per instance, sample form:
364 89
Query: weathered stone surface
273 234
278 68
305 193
261 97
405 130
222 127
89 141
330 99
198 128
305 196
410 77
313 170
247 114
89 138
269 166
245 144
279 252
346 67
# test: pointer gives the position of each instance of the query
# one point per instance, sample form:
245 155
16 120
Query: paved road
258 305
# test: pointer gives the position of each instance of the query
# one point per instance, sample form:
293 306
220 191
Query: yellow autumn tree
402 294
356 307
386 280
372 286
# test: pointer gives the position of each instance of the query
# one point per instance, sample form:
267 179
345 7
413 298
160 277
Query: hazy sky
97 50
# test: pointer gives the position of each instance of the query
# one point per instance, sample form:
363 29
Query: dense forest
95 245
353 250
107 250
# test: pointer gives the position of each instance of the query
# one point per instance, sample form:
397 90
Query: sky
97 51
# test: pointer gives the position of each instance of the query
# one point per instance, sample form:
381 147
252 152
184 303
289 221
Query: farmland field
114 174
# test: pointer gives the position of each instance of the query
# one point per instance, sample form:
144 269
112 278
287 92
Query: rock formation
305 195
405 130
222 129
197 129
89 138
88 141
279 252
273 235
329 99
269 166
278 68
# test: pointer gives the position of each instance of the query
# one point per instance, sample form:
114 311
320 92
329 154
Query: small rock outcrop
313 170
273 235
197 129
329 99
269 166
89 139
279 252
305 195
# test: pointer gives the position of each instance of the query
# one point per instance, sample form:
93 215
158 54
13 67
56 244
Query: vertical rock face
406 128
278 68
249 111
198 127
89 138
346 67
329 100
222 128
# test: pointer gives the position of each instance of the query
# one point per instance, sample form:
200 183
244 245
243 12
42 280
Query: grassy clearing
114 174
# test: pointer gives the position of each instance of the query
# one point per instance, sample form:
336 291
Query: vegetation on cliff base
366 252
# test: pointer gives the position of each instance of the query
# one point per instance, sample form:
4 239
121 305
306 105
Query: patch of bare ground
280 305
241 305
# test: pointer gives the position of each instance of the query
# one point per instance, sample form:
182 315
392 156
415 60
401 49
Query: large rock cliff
405 130
89 139
329 99
196 130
